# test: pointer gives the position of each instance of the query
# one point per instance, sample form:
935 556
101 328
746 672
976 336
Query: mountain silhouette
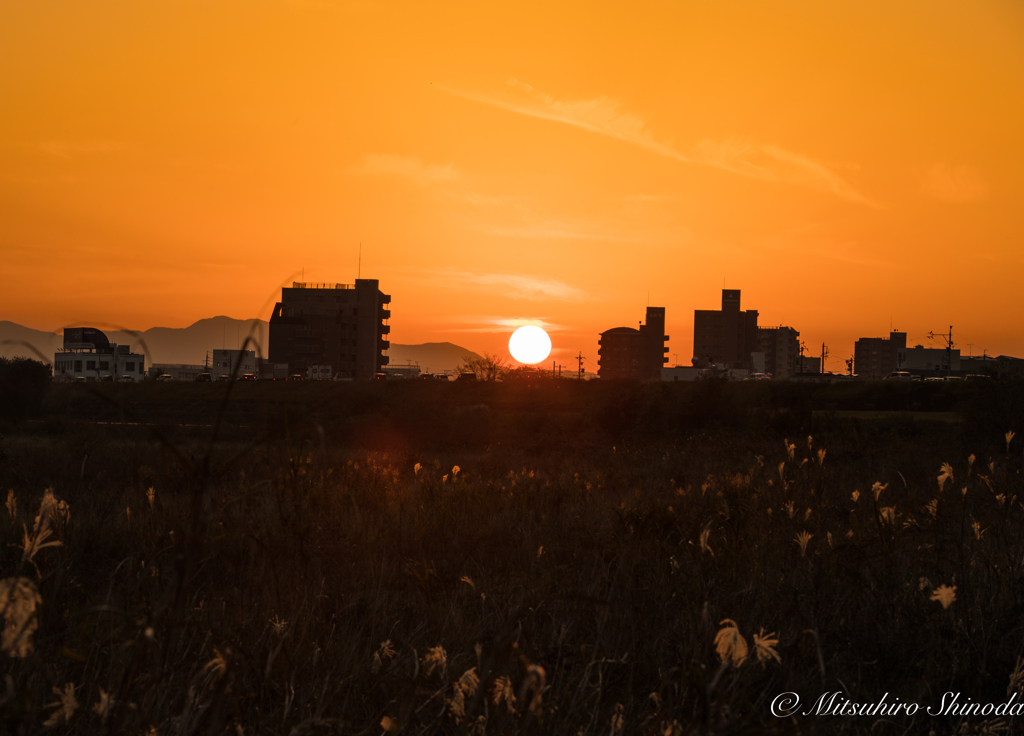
190 344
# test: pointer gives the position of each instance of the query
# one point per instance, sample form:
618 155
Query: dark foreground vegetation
547 558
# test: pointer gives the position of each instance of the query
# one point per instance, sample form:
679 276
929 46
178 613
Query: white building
409 370
89 356
225 363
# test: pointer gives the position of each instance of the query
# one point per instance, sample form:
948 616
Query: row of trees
495 368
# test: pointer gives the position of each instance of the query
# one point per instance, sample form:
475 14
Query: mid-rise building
726 336
809 364
341 326
233 363
87 355
781 348
924 360
636 353
877 357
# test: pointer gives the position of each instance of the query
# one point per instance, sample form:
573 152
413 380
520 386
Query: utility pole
949 348
949 352
802 348
579 371
824 354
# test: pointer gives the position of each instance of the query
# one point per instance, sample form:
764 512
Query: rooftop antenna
359 270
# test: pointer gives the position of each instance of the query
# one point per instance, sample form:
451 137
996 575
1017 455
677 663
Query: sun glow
529 344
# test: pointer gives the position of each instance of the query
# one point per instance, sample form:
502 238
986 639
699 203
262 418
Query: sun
529 344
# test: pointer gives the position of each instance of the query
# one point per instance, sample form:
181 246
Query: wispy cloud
71 149
558 230
600 115
647 198
772 163
513 285
409 168
607 117
952 183
505 324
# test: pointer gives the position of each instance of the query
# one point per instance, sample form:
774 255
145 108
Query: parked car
126 379
165 377
899 376
249 377
204 378
758 377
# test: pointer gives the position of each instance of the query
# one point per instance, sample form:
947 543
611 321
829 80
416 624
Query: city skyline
852 170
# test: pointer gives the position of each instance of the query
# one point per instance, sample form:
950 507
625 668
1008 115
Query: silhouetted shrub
23 383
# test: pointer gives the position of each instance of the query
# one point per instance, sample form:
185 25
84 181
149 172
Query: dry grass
298 586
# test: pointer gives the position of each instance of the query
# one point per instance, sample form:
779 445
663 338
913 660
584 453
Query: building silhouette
726 336
781 348
877 357
809 364
636 353
235 363
87 355
343 326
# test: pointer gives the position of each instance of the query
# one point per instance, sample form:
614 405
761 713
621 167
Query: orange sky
843 163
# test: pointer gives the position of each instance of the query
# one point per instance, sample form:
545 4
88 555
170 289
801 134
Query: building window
90 365
129 367
140 366
104 365
78 366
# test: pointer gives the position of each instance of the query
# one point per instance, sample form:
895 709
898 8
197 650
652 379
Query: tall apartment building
343 326
877 357
637 353
727 336
781 348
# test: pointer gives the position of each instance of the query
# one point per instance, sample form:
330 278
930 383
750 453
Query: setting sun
529 344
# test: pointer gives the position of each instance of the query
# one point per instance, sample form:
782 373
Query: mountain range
190 345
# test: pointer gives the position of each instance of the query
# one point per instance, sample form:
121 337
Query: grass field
550 558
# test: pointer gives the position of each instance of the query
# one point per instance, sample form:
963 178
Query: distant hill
190 344
432 357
